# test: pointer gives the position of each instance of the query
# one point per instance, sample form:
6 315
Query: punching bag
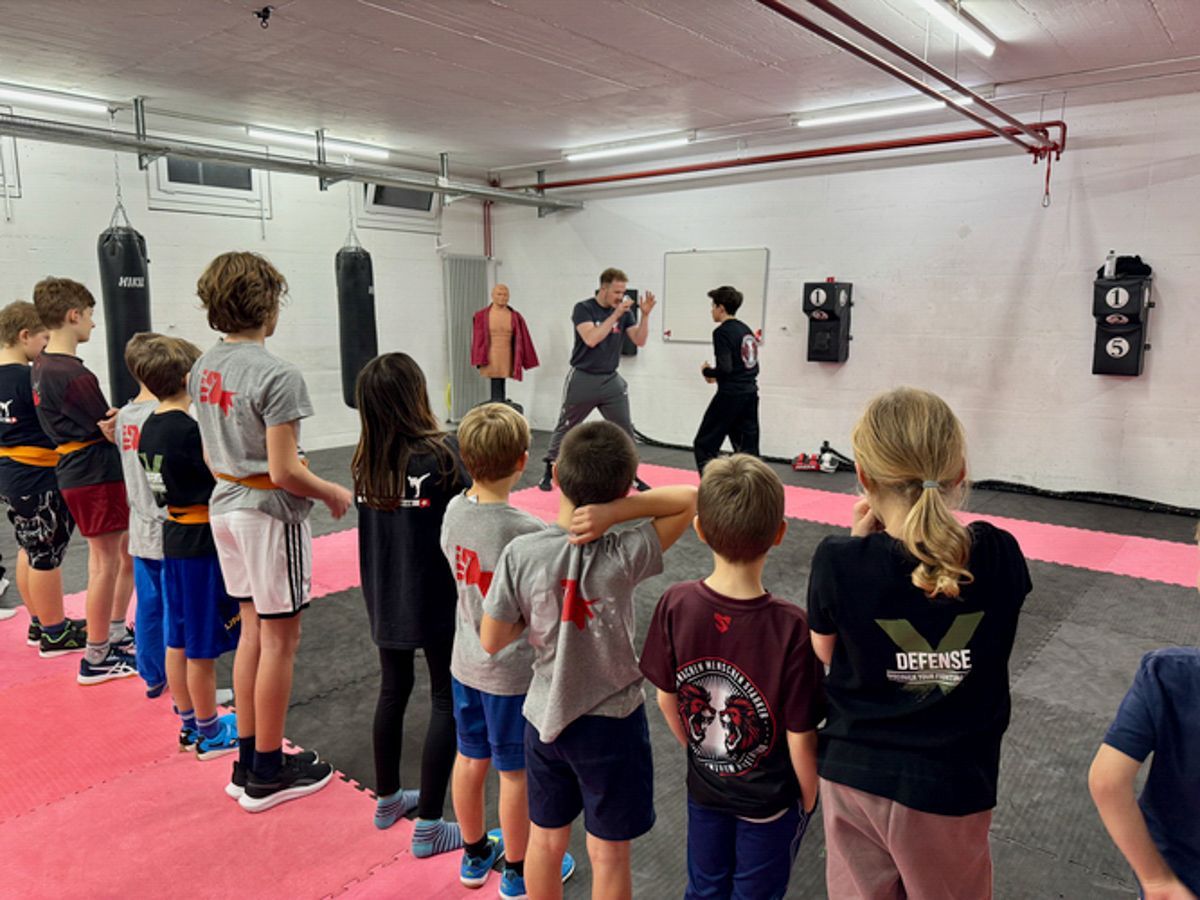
356 315
125 290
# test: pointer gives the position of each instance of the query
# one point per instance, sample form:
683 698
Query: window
213 188
397 208
10 172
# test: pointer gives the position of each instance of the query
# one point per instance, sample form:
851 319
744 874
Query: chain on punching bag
356 315
125 288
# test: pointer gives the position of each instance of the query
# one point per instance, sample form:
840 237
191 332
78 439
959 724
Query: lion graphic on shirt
695 711
743 731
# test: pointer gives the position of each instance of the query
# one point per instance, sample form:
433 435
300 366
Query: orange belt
261 482
31 456
74 446
197 514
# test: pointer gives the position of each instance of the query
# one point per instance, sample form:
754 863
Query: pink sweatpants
878 849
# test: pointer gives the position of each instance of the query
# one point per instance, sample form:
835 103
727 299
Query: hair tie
930 485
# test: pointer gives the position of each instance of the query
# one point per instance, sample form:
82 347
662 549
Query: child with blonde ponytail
915 615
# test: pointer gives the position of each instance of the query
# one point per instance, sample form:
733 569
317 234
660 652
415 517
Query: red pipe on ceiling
925 140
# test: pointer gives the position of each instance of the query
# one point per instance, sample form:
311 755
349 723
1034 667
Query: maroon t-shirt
744 672
69 404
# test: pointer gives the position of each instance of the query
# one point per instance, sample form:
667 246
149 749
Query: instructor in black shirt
593 382
733 412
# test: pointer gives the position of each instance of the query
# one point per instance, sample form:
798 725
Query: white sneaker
4 583
224 696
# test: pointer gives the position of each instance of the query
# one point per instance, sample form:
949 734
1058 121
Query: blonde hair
492 438
740 506
18 316
910 443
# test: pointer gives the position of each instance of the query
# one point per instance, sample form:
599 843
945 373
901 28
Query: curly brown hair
240 291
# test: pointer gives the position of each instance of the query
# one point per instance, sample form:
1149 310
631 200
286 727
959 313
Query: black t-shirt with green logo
917 688
173 457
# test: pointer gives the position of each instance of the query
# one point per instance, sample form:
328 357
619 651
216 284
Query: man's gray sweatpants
583 392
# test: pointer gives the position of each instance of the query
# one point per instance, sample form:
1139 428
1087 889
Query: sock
479 849
433 836
96 653
54 630
187 717
518 867
267 765
116 630
209 727
392 807
246 751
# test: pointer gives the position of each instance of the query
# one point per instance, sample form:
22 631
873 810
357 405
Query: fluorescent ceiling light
866 111
309 142
954 20
52 100
627 147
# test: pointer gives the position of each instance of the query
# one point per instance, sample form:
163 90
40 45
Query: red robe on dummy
524 356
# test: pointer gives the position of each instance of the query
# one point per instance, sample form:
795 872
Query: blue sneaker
224 741
512 885
475 870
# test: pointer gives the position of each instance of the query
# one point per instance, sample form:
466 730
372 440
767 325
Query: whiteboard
688 276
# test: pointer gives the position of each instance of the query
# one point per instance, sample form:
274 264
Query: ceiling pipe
1009 134
925 140
912 59
104 139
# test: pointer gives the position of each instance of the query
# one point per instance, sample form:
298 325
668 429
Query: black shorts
599 765
43 527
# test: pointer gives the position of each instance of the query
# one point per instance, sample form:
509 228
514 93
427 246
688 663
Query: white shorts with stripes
265 560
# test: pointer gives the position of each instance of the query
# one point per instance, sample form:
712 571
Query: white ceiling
497 82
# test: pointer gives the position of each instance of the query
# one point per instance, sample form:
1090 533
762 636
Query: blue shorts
202 620
490 726
599 765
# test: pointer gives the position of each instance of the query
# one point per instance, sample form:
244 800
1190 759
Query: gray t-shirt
146 517
473 537
577 602
240 389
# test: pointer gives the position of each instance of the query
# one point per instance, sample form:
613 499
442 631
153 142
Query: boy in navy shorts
40 518
146 519
489 691
75 415
740 687
587 744
202 621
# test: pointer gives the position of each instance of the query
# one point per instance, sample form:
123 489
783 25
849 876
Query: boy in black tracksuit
733 412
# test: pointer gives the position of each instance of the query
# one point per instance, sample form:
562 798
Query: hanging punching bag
125 289
356 315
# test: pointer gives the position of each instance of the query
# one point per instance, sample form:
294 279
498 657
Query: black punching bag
356 315
125 289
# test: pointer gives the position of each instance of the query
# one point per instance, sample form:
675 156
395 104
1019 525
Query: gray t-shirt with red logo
146 517
240 389
577 603
474 536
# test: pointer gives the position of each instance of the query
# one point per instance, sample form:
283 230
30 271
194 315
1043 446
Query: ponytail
939 543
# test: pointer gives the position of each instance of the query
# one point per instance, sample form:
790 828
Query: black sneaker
640 485
70 640
115 665
547 482
296 778
34 636
237 778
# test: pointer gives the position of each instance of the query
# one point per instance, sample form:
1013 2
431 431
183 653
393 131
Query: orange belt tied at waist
197 514
74 446
261 482
31 456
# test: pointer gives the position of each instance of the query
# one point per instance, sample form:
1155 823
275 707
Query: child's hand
865 520
588 523
1172 889
704 367
338 500
108 426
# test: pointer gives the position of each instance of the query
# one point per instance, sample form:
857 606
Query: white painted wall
963 285
67 200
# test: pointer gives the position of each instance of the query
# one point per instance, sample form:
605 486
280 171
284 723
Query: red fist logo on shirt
212 393
130 437
468 570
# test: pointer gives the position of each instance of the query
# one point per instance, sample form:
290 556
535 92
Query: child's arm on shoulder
288 473
1111 782
671 508
802 747
669 704
823 645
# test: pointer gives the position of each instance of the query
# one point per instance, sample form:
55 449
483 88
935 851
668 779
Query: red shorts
98 508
